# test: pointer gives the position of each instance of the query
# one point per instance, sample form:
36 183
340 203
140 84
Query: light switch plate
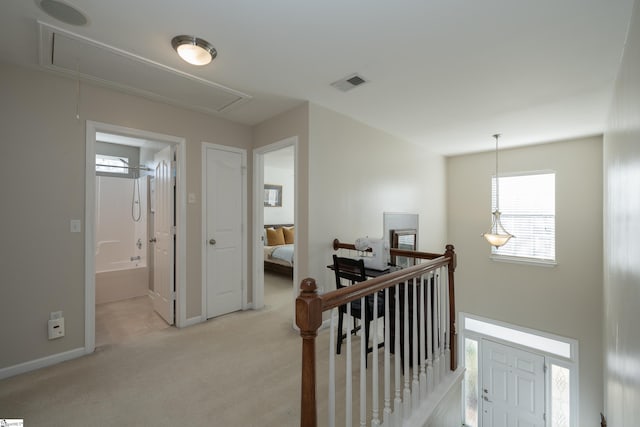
76 226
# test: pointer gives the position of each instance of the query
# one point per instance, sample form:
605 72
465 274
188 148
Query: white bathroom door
223 230
164 234
512 387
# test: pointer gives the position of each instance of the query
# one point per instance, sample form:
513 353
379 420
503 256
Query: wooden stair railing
310 306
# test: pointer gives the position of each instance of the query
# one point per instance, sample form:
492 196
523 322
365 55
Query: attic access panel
78 56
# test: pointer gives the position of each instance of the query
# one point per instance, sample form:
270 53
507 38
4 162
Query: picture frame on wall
272 196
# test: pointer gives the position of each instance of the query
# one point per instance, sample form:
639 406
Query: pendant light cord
496 136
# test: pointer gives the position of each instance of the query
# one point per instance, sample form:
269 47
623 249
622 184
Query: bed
279 248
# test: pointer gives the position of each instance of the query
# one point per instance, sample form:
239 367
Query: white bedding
280 254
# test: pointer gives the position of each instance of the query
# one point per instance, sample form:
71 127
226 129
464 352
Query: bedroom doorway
275 217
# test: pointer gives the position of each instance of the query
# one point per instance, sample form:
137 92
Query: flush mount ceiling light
194 50
497 236
63 12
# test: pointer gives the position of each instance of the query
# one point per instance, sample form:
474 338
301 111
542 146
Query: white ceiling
443 73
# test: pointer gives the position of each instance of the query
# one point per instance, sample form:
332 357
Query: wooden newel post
453 334
308 319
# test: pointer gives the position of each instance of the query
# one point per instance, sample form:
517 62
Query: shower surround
121 242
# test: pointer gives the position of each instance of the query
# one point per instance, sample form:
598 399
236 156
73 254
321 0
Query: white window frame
571 363
497 256
115 169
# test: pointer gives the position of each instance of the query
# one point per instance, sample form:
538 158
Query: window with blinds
527 203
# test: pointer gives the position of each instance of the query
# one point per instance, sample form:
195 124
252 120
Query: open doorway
134 225
275 218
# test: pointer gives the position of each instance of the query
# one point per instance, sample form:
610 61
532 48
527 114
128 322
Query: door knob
212 241
153 240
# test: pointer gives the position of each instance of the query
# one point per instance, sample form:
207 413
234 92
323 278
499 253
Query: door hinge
173 295
544 368
544 416
173 230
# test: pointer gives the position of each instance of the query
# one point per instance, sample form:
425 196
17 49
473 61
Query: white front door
223 231
163 261
512 387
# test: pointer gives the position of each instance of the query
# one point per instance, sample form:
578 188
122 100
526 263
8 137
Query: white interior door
512 387
224 220
163 259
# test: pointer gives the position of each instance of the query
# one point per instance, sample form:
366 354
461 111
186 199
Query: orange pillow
275 236
288 235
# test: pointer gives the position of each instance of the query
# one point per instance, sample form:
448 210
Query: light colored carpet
124 320
242 369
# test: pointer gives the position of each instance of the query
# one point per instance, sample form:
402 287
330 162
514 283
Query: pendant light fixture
194 50
497 236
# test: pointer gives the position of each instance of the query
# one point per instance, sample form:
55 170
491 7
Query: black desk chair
353 270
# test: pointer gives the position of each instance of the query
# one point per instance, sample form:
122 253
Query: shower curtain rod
142 168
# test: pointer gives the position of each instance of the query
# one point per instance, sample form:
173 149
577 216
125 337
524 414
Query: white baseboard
32 365
192 321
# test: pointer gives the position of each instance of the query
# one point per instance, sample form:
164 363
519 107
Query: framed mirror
272 196
405 239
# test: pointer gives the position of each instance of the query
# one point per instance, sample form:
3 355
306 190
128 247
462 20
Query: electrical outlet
56 328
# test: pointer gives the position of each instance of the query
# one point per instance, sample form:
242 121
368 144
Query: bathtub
124 279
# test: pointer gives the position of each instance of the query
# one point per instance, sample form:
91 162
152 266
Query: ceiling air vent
349 82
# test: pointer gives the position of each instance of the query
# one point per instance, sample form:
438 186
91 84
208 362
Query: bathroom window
112 164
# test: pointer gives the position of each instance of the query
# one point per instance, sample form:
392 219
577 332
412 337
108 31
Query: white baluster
430 383
406 396
363 362
386 415
447 351
375 415
397 403
443 323
423 356
332 369
415 385
348 395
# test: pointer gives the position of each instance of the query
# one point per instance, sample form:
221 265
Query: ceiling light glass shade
194 50
497 236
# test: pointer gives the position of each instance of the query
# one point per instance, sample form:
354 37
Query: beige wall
565 299
622 241
355 174
42 166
